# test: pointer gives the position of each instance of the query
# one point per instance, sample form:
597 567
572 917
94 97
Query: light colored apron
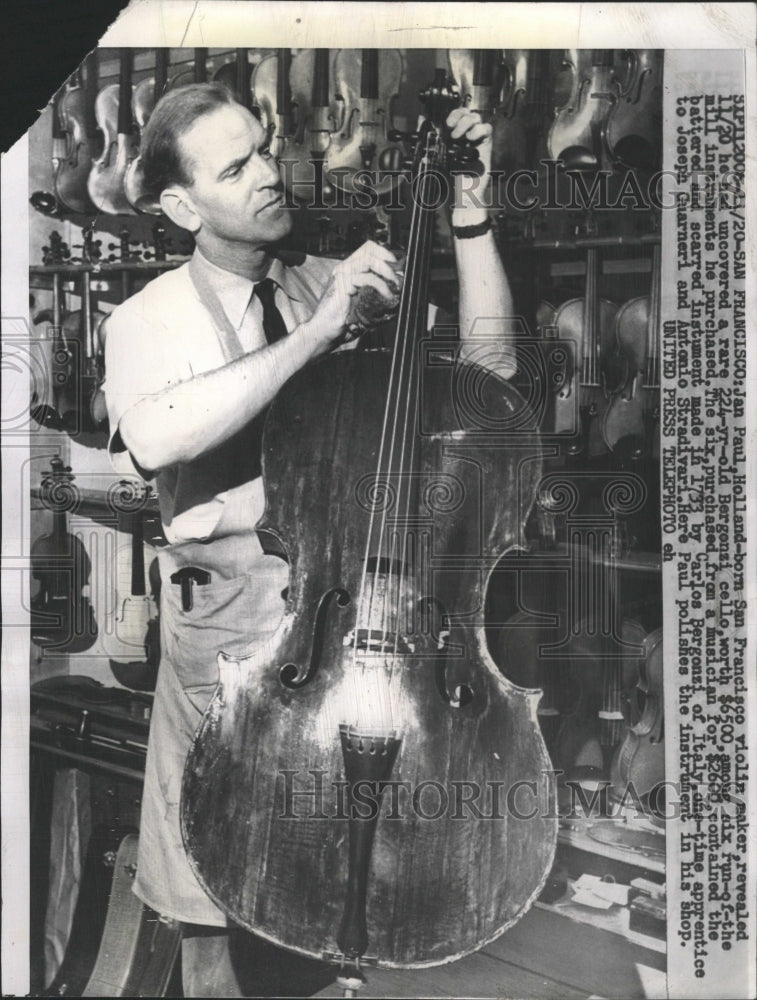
235 612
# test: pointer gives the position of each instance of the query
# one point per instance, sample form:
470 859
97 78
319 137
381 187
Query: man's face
236 190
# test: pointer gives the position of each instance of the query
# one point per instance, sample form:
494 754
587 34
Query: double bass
377 679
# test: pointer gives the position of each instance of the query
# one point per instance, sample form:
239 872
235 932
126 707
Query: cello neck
161 72
284 93
321 79
413 306
242 79
86 303
200 65
369 82
125 122
90 95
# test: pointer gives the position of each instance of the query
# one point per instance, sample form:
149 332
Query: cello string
410 420
399 390
395 382
384 465
409 383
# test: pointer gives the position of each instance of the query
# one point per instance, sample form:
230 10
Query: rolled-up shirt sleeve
136 367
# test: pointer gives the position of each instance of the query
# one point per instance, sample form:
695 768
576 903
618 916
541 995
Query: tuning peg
395 135
463 159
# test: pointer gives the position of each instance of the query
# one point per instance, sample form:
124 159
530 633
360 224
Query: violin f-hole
290 674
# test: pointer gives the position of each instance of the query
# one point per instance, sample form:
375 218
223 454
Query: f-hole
290 674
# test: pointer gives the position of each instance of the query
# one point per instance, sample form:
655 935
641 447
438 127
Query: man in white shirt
192 362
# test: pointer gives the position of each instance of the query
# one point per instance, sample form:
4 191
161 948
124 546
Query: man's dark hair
175 114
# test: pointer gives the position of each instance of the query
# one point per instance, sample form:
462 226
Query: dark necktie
274 326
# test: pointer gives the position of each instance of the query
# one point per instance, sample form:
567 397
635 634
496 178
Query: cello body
292 98
630 424
577 136
146 95
332 688
114 117
634 124
367 82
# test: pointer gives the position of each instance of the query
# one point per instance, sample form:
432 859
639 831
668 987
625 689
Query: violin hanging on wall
630 423
640 758
77 362
577 135
582 395
479 75
291 97
146 95
236 76
136 617
634 124
196 73
62 619
602 661
121 146
316 118
360 153
83 139
46 200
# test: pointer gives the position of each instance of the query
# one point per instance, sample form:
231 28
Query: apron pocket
232 616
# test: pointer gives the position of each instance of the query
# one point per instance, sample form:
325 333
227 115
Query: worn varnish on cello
392 508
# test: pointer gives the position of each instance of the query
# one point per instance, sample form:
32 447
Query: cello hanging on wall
292 99
114 117
577 136
634 124
361 152
630 423
146 95
83 138
380 670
